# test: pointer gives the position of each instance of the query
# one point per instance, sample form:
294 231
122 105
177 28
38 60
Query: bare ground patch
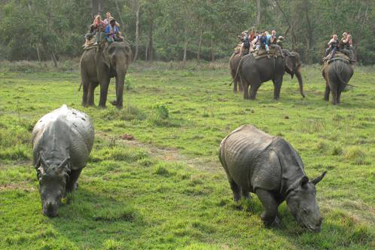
169 154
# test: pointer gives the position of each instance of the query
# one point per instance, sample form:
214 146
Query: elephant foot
114 103
102 106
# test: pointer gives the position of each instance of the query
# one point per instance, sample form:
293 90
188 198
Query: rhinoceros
272 169
62 141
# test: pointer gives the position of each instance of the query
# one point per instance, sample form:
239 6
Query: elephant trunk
120 81
299 77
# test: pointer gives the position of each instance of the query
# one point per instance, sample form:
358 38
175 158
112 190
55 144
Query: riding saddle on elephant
275 51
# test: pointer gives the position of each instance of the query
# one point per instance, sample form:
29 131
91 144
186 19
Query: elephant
234 61
337 75
253 72
98 66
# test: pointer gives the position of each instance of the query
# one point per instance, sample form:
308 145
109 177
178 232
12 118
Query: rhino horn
318 179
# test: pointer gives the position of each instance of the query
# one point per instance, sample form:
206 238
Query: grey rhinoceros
62 141
270 167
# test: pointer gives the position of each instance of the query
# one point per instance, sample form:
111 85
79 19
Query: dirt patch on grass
170 154
23 185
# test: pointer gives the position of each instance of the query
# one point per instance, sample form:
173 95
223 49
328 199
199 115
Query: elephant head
293 67
118 57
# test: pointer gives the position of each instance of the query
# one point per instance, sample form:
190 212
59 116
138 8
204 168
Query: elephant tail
338 70
79 89
237 71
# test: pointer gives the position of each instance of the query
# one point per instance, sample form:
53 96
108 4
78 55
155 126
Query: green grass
166 189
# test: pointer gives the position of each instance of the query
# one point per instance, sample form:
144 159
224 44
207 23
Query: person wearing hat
112 32
109 16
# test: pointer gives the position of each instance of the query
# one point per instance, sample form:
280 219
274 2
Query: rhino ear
304 181
318 179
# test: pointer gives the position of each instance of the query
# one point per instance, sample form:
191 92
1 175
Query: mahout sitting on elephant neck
271 168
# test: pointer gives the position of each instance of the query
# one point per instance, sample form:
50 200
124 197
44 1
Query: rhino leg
235 189
270 214
246 194
72 183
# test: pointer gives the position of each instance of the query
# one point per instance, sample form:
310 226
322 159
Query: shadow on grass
91 220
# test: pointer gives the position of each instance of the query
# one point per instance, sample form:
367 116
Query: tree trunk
53 56
212 50
137 30
199 46
150 47
119 13
258 14
38 53
94 7
310 35
185 46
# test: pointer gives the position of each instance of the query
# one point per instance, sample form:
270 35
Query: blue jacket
111 31
264 40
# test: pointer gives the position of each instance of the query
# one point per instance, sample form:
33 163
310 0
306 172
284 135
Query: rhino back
64 133
239 151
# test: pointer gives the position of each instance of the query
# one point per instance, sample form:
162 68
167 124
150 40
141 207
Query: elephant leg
326 94
245 89
235 85
338 96
269 216
72 183
240 86
85 93
334 95
90 97
104 83
277 88
253 90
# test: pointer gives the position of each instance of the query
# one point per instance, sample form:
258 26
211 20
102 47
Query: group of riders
107 30
253 41
345 45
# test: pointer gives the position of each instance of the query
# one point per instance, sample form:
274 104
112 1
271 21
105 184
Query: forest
180 30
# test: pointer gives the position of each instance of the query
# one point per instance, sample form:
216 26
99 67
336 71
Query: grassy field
166 188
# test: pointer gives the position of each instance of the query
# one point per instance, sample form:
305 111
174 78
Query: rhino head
302 203
52 184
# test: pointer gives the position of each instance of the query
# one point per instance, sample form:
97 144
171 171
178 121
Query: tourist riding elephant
253 72
337 75
98 66
234 61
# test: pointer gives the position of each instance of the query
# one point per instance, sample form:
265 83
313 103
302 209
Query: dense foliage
183 29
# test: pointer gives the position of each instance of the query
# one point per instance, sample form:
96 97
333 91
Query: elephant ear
290 64
106 57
